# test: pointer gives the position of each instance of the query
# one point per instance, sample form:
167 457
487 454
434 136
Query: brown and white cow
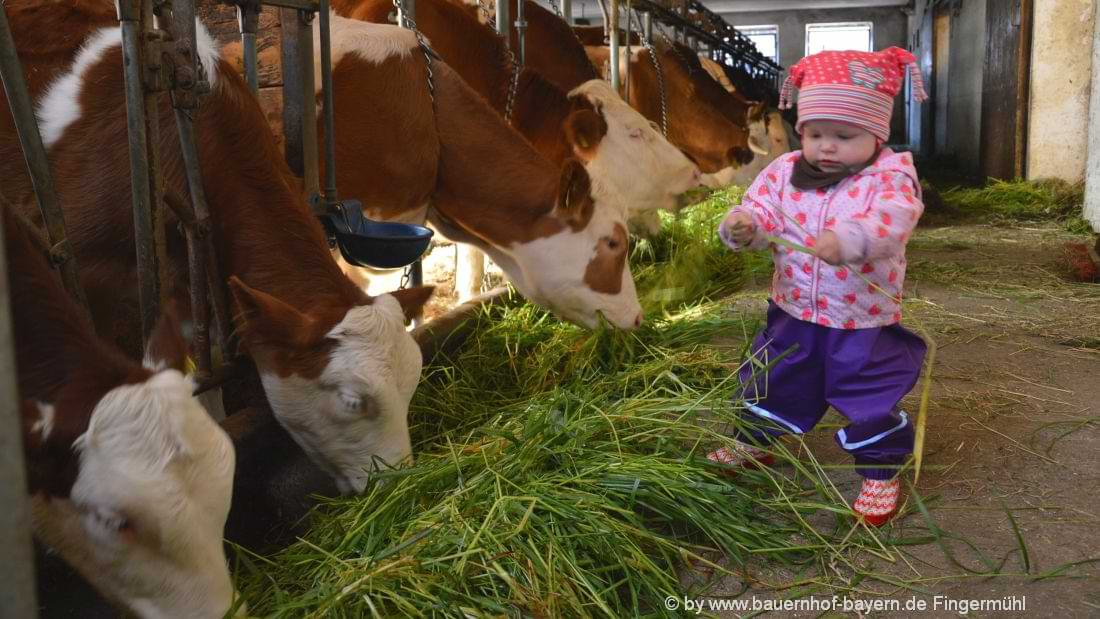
766 127
338 367
631 157
706 133
551 47
130 478
559 236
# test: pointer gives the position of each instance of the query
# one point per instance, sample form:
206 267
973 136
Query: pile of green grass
686 262
561 472
1022 201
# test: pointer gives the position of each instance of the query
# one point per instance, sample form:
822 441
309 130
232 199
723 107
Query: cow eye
636 133
613 243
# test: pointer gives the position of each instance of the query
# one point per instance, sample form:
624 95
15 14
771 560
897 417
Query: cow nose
696 175
638 320
741 156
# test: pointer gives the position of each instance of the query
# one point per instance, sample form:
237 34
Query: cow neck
552 48
60 362
474 50
285 255
540 109
491 183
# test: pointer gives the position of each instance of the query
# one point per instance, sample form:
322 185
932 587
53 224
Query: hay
1010 202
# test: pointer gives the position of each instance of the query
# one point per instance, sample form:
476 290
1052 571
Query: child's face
832 146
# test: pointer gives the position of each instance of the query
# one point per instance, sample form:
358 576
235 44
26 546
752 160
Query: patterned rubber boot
740 456
877 501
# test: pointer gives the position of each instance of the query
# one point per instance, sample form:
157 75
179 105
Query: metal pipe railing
299 92
331 199
502 21
17 588
143 128
34 152
248 18
613 34
521 30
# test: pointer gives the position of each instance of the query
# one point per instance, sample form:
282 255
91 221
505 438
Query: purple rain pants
862 373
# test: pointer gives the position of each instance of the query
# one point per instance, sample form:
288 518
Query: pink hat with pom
857 88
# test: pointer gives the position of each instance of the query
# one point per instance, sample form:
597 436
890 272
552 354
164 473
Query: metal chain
406 278
509 59
648 44
428 52
512 88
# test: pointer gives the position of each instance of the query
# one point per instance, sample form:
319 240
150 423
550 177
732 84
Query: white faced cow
130 478
445 156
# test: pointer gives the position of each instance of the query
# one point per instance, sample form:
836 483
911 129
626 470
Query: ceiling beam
755 6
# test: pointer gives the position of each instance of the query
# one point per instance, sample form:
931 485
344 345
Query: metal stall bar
521 29
629 31
502 21
34 152
248 17
17 588
188 83
299 110
406 11
332 202
567 11
142 79
613 33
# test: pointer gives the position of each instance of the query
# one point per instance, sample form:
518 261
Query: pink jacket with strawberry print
872 212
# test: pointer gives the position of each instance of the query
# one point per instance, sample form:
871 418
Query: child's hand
738 227
828 247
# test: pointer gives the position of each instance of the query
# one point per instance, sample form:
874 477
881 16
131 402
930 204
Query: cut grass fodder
686 261
562 472
1007 202
555 477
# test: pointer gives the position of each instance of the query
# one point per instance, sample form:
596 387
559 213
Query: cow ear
166 347
584 129
575 204
267 320
412 300
756 111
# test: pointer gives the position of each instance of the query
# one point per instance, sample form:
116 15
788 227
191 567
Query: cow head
339 379
697 126
574 260
626 152
144 518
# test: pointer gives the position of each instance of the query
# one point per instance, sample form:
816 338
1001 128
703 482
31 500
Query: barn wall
890 29
1061 65
964 106
1092 177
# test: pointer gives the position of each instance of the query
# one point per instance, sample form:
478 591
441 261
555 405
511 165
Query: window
840 36
766 39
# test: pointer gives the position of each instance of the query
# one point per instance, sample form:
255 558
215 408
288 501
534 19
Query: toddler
836 312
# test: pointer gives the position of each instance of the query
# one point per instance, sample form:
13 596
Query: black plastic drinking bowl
378 244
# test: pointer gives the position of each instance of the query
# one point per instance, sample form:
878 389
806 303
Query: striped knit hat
857 88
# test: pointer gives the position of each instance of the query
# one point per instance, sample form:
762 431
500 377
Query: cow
705 133
130 479
766 126
338 367
551 47
560 238
631 157
701 132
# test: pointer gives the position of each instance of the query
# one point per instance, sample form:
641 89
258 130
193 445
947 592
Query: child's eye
844 137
